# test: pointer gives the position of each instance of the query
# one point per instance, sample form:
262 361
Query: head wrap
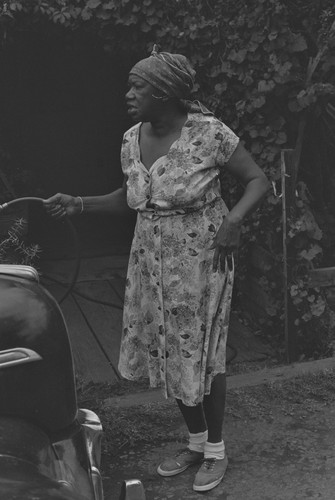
172 74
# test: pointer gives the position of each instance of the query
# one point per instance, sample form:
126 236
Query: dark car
49 449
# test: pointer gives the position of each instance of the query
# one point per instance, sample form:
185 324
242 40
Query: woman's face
140 103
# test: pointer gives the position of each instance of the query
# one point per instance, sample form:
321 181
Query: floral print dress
176 309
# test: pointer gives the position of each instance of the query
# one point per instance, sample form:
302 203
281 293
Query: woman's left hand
225 243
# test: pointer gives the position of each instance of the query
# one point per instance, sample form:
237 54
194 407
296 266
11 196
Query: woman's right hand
60 205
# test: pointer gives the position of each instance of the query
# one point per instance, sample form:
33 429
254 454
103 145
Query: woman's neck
167 123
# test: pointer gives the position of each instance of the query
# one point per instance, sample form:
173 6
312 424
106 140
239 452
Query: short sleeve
227 142
127 148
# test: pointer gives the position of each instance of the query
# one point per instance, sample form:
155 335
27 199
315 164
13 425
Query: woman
180 275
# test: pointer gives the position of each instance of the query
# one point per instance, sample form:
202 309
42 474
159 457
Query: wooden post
287 208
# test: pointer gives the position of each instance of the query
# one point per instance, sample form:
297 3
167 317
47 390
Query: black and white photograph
167 249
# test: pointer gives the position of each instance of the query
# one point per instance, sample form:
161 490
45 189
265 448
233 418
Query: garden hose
70 287
74 237
85 296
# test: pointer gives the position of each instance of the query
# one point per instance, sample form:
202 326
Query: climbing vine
263 67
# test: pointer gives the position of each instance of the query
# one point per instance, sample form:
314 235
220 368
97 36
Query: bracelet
81 204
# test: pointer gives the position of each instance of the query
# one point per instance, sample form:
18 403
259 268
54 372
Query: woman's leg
194 417
194 452
210 414
215 461
214 406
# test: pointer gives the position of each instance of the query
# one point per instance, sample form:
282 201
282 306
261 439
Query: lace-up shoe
210 474
180 462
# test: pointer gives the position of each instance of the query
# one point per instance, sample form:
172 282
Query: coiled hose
75 241
74 277
74 238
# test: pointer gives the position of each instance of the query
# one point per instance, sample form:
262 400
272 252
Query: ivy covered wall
260 64
253 59
266 68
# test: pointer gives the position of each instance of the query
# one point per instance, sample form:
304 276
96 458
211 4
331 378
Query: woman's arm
114 203
243 168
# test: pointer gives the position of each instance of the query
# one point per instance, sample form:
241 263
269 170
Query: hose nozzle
3 206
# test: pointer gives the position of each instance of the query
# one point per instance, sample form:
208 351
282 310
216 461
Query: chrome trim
97 483
65 483
93 434
132 489
20 271
17 356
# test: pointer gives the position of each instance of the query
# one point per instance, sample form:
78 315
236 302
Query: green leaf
318 307
86 15
220 88
93 4
266 85
273 35
258 102
104 15
311 253
109 5
281 138
237 56
297 43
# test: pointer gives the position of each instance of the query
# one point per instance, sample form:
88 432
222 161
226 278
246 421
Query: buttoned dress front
176 309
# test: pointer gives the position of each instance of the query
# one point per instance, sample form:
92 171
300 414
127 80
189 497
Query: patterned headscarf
172 74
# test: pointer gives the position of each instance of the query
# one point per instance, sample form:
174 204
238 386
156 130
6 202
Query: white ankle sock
197 441
214 450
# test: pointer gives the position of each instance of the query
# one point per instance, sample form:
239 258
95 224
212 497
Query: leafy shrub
263 66
14 249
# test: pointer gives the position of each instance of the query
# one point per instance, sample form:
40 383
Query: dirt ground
280 441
